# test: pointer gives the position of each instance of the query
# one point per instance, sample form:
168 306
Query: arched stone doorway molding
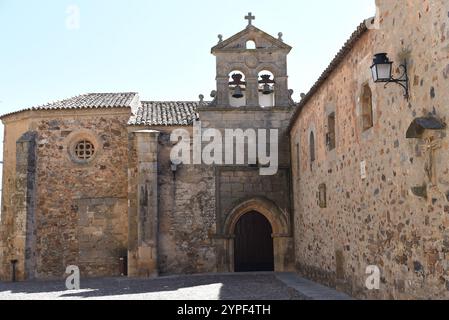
282 238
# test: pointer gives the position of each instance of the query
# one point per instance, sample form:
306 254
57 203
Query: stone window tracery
83 147
84 150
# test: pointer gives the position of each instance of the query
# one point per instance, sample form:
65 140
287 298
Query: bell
266 89
237 92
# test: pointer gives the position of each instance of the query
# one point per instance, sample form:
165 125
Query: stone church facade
362 177
89 180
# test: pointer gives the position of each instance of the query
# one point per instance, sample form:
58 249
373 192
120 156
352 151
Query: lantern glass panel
374 72
381 72
384 71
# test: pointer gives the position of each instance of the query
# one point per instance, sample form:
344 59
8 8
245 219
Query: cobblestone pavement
259 286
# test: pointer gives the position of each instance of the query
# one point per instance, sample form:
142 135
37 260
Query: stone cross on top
250 18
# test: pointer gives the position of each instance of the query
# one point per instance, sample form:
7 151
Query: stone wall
186 209
18 253
81 210
238 184
195 202
12 225
377 220
276 118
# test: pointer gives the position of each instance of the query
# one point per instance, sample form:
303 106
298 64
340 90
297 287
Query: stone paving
250 286
310 290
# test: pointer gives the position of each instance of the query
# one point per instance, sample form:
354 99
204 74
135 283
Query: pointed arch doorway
253 243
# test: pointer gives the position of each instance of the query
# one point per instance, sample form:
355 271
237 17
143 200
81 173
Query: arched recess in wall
312 149
366 103
297 156
331 131
267 90
237 88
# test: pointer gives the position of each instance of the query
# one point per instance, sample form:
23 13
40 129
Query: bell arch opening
250 45
266 90
237 89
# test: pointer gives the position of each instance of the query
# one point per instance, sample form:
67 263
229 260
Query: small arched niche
312 150
251 45
266 89
366 100
237 89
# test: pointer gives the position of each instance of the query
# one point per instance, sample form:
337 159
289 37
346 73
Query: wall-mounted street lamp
382 72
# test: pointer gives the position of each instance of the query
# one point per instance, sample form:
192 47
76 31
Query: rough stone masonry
387 189
363 176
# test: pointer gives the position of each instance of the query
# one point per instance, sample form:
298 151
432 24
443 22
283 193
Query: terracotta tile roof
361 29
87 101
166 113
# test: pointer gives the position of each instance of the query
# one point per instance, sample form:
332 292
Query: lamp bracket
403 80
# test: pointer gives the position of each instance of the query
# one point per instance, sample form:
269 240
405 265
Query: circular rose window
84 150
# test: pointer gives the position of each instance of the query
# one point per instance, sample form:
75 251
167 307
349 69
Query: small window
322 197
312 149
82 146
84 150
250 45
330 136
367 108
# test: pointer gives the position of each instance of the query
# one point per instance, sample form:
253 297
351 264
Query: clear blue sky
160 49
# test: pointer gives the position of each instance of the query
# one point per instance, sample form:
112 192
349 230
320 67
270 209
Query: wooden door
253 244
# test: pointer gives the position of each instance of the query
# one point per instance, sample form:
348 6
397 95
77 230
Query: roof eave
335 63
29 110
